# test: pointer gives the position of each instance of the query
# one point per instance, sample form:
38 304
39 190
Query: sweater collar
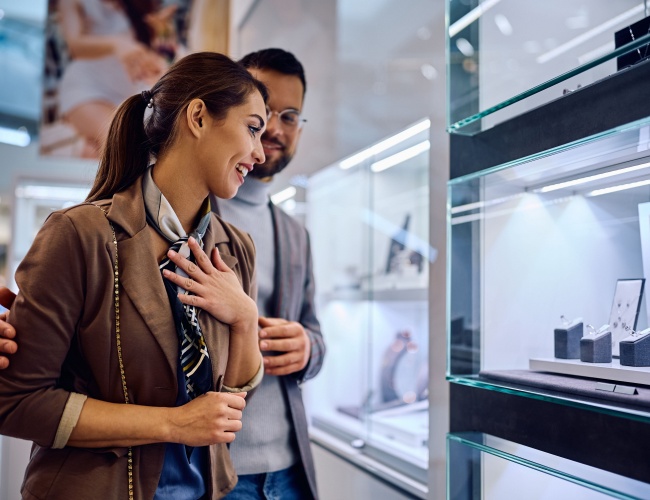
254 192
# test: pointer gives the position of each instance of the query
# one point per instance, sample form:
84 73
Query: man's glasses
289 118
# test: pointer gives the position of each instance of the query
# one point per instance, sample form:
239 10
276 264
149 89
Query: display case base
613 371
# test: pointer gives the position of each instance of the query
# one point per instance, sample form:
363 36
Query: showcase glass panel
509 56
481 466
548 262
368 218
34 201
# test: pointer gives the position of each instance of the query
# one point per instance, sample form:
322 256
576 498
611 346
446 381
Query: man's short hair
275 59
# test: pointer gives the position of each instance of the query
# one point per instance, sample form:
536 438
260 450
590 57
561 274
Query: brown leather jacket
64 314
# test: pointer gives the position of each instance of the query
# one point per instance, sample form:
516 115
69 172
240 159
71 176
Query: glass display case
490 468
34 200
548 258
368 217
509 56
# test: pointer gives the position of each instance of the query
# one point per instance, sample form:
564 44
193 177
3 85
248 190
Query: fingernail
171 253
263 333
264 345
191 239
165 272
266 361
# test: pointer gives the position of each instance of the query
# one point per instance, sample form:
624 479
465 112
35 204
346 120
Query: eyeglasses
289 118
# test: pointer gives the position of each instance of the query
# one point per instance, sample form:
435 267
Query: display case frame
369 227
485 466
623 149
507 57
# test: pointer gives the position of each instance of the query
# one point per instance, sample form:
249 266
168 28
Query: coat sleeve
310 322
51 281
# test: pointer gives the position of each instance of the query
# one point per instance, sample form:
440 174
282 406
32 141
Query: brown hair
214 78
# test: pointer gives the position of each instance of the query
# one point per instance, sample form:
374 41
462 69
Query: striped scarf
194 356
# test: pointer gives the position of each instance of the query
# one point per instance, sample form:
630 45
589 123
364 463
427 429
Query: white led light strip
591 178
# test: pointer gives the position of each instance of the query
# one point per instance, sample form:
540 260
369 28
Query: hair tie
148 98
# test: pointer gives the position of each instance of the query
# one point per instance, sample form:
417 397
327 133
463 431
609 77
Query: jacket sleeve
51 281
310 322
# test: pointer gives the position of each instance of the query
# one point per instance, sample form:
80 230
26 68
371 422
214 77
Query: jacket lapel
139 273
216 333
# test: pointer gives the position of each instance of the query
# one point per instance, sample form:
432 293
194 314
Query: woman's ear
196 112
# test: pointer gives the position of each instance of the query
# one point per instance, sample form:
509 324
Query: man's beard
269 168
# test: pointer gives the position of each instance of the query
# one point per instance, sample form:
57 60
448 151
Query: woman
117 49
174 333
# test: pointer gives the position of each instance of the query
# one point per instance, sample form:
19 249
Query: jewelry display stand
596 348
567 340
614 371
635 349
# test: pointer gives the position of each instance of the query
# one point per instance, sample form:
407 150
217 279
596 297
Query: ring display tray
613 371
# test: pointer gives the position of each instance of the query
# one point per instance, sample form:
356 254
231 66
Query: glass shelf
543 237
483 466
368 218
506 57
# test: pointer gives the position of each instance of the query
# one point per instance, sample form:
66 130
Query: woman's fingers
201 258
218 262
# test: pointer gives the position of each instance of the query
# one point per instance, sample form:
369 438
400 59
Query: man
271 454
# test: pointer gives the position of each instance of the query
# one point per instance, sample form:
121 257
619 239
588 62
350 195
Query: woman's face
233 146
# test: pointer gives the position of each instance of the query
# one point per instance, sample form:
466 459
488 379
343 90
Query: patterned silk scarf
194 356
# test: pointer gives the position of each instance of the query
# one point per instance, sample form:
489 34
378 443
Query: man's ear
195 116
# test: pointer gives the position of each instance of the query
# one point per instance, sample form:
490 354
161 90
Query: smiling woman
133 268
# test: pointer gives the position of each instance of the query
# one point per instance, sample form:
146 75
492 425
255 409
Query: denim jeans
286 484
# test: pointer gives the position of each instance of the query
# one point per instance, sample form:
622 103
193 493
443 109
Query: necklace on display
638 49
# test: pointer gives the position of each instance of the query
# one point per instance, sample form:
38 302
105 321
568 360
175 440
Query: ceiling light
587 35
283 195
471 16
385 144
57 193
465 47
428 71
590 178
503 24
597 52
15 137
400 157
620 187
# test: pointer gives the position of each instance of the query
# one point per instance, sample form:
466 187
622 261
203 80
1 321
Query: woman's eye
254 130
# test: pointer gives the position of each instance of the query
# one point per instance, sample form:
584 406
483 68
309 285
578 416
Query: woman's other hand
213 417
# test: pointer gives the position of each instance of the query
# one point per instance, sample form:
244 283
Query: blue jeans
285 484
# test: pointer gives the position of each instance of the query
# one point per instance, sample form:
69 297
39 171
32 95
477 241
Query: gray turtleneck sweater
265 443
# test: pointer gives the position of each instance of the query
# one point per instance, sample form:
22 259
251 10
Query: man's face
279 140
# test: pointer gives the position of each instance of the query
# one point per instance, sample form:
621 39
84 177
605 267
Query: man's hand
6 346
290 339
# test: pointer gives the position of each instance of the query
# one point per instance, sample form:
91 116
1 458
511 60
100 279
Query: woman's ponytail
125 156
